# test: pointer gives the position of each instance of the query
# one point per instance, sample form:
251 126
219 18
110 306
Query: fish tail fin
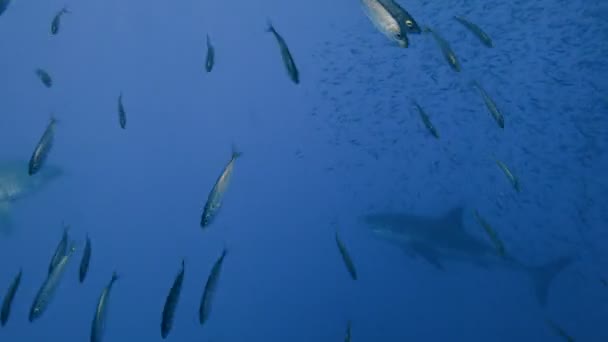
235 152
6 223
115 277
65 9
269 27
543 276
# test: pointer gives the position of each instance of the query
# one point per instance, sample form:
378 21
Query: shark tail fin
543 276
6 224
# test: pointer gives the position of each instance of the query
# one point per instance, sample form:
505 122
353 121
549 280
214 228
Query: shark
16 184
443 240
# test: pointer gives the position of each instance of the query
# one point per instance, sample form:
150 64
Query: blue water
316 157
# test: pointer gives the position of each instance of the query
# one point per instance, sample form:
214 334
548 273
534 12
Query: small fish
491 234
47 291
558 330
446 50
210 287
514 181
427 121
44 77
604 282
350 266
84 262
210 55
4 5
122 115
171 303
347 335
411 26
8 299
42 148
498 117
214 200
485 39
290 65
99 319
61 249
56 23
385 21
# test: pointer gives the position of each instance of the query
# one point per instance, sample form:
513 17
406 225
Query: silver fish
171 303
288 61
214 200
210 287
61 249
477 31
99 319
122 115
210 61
385 21
490 104
8 299
446 50
42 148
56 23
348 261
84 262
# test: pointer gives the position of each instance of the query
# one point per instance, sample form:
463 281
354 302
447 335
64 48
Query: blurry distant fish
8 299
47 290
561 332
99 319
512 179
498 117
210 55
171 303
84 262
42 148
210 288
44 76
122 115
491 234
348 262
15 184
485 39
290 65
385 21
347 335
4 5
214 200
61 250
411 26
56 24
443 239
604 282
427 121
446 50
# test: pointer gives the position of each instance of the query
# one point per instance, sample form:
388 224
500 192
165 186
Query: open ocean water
283 171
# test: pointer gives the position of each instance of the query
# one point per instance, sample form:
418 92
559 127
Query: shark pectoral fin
543 276
427 254
5 218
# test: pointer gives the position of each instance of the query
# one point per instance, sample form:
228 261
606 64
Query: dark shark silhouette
443 239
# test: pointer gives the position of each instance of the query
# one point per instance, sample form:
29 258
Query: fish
490 104
512 179
444 239
290 64
41 152
559 331
47 291
491 233
8 299
348 261
61 249
84 262
122 115
210 288
477 31
4 5
44 77
446 50
411 26
210 60
56 23
216 196
99 319
385 21
171 303
347 335
16 184
426 120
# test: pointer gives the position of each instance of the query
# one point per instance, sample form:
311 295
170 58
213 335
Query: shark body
444 239
15 184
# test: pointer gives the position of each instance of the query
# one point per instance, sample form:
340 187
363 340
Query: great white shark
444 239
15 184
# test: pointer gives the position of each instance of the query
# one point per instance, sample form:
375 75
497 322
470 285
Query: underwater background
317 155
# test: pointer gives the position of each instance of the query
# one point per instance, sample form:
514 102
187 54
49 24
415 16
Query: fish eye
409 23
